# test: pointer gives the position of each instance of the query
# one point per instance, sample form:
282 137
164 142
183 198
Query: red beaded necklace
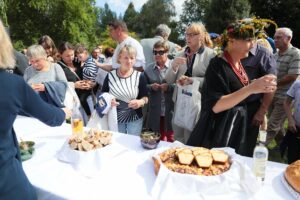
240 71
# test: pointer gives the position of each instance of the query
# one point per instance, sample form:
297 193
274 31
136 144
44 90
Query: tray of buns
197 161
291 179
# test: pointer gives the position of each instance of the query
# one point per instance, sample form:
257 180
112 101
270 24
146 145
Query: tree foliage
285 13
73 20
131 17
193 11
105 16
153 13
222 12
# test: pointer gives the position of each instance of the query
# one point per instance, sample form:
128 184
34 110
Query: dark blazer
152 76
17 97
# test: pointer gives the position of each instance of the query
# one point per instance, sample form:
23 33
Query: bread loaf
219 156
292 175
204 160
185 158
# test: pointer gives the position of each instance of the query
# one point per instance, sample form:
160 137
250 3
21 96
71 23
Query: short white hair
36 52
286 31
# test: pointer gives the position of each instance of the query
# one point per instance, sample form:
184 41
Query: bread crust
292 175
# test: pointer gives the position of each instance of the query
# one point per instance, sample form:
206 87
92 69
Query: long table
128 176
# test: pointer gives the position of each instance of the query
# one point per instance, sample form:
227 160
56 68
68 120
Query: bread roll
204 160
292 175
219 156
185 158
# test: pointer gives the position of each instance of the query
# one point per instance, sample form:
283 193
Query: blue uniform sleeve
34 106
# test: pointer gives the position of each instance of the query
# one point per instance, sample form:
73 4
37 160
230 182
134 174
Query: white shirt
140 58
294 92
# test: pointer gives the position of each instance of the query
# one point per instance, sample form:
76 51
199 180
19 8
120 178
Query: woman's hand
185 80
68 112
114 102
155 86
39 87
265 84
178 61
136 103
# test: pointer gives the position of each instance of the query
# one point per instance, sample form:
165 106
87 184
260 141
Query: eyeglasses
161 52
191 34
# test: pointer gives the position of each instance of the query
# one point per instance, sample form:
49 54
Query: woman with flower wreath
225 116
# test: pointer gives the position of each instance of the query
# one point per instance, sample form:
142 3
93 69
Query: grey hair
7 59
286 31
36 51
163 30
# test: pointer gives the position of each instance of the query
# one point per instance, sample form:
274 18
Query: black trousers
291 141
252 131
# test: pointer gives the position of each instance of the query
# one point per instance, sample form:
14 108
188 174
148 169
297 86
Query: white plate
295 194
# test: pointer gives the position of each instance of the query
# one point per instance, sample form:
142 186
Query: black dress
77 76
228 128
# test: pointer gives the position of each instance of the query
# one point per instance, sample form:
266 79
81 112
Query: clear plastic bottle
260 157
76 120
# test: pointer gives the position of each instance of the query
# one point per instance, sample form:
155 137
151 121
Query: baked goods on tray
198 161
292 175
93 139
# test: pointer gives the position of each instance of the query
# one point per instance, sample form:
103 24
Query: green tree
153 13
222 12
3 8
74 21
106 15
131 17
284 13
193 11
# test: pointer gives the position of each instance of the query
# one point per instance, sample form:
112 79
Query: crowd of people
237 81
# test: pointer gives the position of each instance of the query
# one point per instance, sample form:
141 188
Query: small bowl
26 149
150 140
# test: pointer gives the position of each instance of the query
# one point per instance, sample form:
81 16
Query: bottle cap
262 136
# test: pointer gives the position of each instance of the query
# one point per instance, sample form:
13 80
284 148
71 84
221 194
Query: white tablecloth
128 176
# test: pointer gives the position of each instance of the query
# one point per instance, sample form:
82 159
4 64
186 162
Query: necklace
239 71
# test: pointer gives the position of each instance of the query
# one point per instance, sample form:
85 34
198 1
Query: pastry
292 175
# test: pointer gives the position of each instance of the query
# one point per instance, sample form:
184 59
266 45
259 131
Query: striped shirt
90 70
125 90
287 63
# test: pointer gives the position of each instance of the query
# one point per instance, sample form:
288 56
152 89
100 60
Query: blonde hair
36 52
127 49
207 40
199 28
7 59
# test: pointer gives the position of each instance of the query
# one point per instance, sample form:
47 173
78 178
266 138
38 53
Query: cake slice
204 160
185 158
219 156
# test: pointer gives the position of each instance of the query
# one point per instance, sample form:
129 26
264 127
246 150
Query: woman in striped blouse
129 87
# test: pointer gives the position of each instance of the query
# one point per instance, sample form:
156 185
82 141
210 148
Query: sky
119 6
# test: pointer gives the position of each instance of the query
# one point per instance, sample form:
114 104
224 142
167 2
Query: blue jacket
17 97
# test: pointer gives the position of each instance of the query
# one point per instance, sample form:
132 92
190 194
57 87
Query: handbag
187 106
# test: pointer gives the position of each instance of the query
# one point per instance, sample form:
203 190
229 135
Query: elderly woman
189 66
45 77
129 88
160 97
17 97
225 118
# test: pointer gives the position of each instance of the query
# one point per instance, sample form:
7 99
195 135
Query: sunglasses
161 52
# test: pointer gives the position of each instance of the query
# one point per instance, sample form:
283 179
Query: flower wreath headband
246 29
